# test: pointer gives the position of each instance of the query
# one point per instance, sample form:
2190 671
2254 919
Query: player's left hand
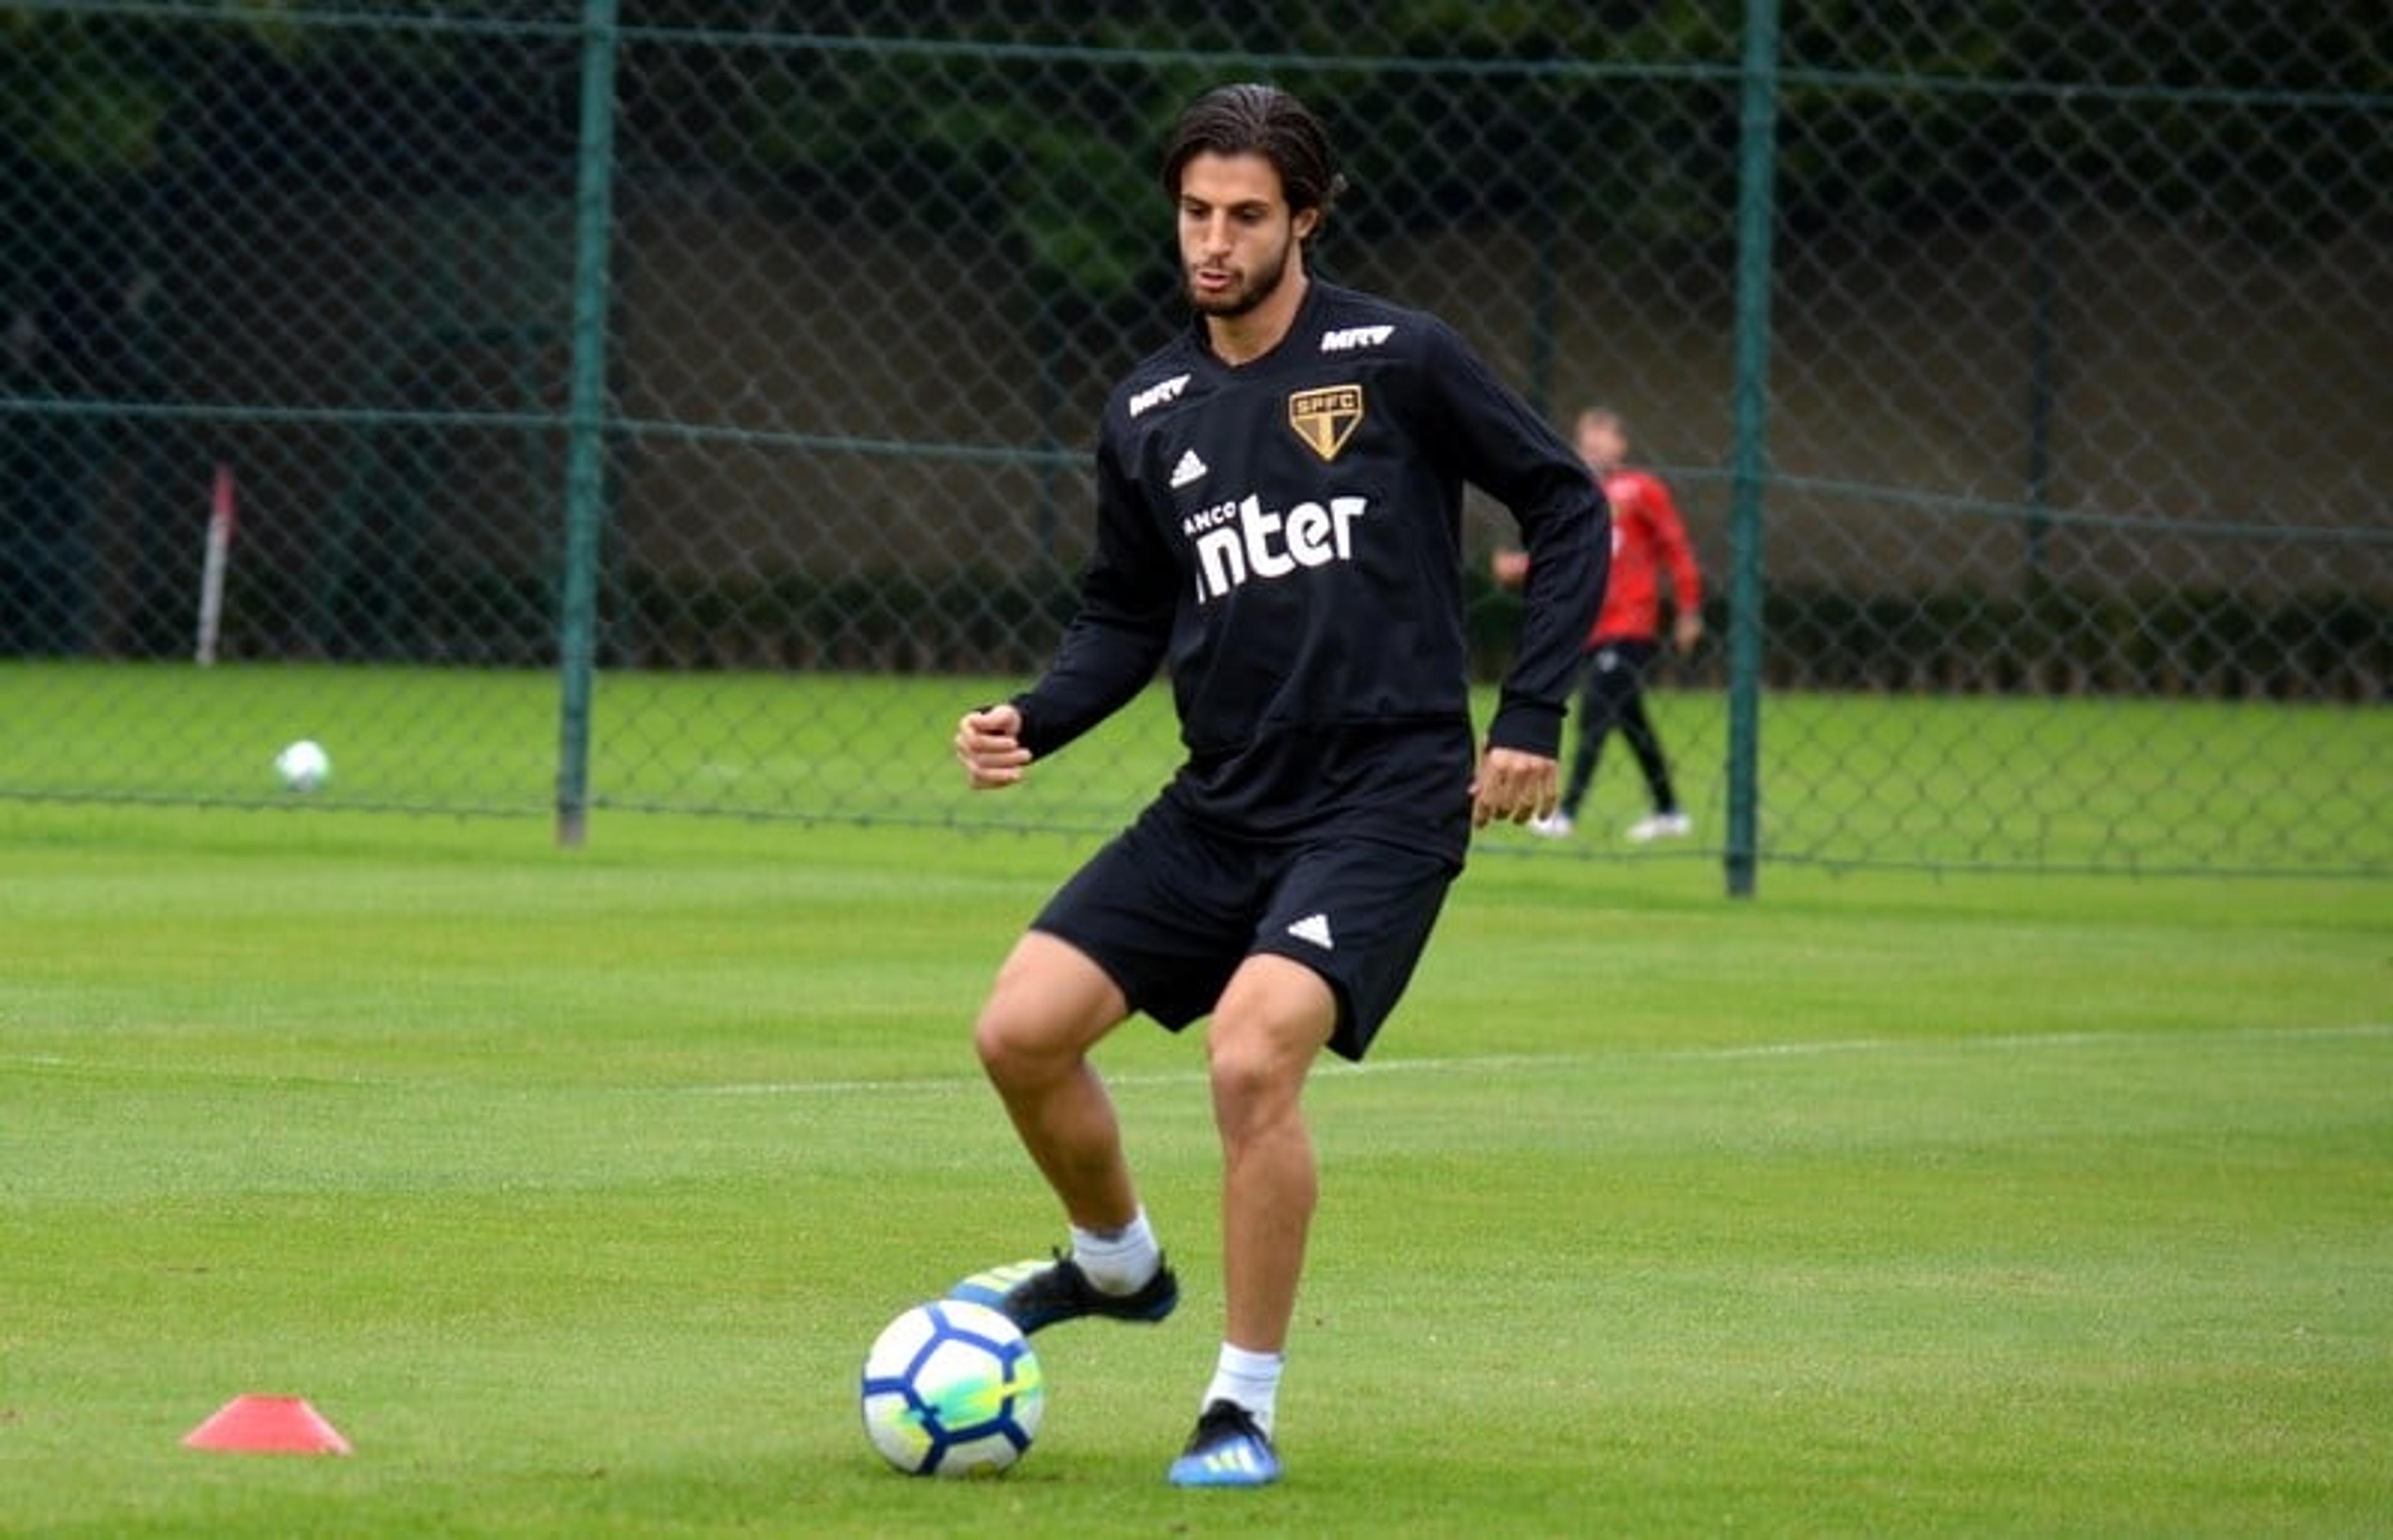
1513 787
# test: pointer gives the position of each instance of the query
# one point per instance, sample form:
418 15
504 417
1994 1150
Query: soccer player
1279 516
1647 537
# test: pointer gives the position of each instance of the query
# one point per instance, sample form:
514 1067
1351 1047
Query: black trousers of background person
1612 694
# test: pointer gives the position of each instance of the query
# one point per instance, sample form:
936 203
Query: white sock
1250 1379
1118 1261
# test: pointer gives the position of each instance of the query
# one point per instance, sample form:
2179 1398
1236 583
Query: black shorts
1171 906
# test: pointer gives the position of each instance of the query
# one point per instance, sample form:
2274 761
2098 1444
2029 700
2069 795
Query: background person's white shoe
1661 825
1553 826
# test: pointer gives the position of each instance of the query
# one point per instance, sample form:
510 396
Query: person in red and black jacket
1649 542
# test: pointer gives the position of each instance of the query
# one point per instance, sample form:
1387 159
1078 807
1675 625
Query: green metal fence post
586 427
1757 165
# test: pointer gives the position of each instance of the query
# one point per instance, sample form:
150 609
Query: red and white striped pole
212 567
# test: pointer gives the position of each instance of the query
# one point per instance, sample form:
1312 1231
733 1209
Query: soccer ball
303 765
952 1389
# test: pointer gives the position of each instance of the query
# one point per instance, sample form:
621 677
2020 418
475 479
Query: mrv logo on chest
1237 543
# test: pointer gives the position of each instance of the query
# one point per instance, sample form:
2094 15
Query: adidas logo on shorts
1315 928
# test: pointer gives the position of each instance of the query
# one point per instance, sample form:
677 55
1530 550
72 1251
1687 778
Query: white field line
958 1085
2023 1043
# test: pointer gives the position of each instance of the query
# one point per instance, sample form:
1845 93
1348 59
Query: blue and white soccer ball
952 1389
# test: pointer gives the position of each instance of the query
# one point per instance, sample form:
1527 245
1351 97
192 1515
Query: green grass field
1958 783
572 1186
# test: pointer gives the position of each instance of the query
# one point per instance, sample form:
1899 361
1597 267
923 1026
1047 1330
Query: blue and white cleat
1035 1293
1227 1449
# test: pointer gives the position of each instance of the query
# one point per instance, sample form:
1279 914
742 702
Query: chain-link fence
687 406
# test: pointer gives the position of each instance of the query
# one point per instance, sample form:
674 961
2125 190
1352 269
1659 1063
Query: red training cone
268 1425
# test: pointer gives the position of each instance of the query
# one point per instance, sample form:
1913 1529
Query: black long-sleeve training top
1288 534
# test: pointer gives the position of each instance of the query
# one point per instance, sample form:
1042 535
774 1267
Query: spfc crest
1326 418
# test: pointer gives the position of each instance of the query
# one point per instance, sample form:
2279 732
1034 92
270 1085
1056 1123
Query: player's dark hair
1258 120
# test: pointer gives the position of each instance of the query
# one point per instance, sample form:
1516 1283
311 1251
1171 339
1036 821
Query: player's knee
1015 1047
1267 1028
1257 1072
1049 1004
991 1041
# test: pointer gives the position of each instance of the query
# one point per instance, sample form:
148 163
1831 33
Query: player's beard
1241 299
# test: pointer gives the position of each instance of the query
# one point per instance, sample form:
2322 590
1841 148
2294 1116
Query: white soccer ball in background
303 765
952 1389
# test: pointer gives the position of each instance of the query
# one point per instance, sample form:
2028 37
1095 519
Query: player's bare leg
1271 1022
1049 1006
1268 1028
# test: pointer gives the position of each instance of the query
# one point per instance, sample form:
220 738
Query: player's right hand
989 748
